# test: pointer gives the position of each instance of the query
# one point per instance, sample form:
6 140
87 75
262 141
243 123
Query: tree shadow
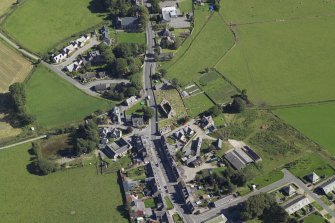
4 102
96 6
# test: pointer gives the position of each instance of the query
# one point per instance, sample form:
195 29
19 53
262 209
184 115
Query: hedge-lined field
77 195
55 102
39 25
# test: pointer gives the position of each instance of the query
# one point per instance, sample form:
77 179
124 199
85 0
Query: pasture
281 62
125 37
40 25
197 104
55 102
216 87
13 67
214 40
76 195
240 11
315 121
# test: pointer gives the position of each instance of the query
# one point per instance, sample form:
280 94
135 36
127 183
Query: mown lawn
77 195
39 25
185 6
284 65
213 41
125 37
197 104
314 218
55 102
5 5
315 121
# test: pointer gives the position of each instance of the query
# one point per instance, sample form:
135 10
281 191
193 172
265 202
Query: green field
241 11
315 121
55 102
277 66
197 104
39 25
77 195
125 37
213 41
185 6
216 87
314 219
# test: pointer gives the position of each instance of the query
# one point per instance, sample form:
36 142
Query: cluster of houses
68 50
207 124
148 189
194 159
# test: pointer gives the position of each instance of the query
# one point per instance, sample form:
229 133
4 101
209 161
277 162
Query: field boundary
296 105
191 43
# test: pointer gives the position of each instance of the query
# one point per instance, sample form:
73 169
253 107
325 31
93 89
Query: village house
75 66
118 148
207 123
179 135
313 177
241 157
116 115
289 190
137 121
127 23
295 205
328 186
100 88
131 101
188 131
87 76
105 36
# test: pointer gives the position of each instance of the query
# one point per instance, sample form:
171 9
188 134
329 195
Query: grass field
125 37
315 121
216 87
213 41
311 163
314 219
5 5
185 6
39 25
55 102
280 60
197 104
77 195
6 130
13 67
240 11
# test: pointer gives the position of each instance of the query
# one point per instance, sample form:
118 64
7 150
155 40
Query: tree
121 66
46 166
155 6
131 91
163 72
18 101
122 50
215 110
175 83
148 113
143 16
275 214
176 43
87 138
238 105
255 206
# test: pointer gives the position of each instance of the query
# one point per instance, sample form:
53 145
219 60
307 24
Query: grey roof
126 21
296 204
328 186
101 87
234 161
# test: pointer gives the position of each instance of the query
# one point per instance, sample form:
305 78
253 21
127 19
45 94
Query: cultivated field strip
13 67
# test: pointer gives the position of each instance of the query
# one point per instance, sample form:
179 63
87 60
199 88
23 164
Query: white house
74 66
328 186
59 57
297 204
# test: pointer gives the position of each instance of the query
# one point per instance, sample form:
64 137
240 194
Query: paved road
23 51
23 142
